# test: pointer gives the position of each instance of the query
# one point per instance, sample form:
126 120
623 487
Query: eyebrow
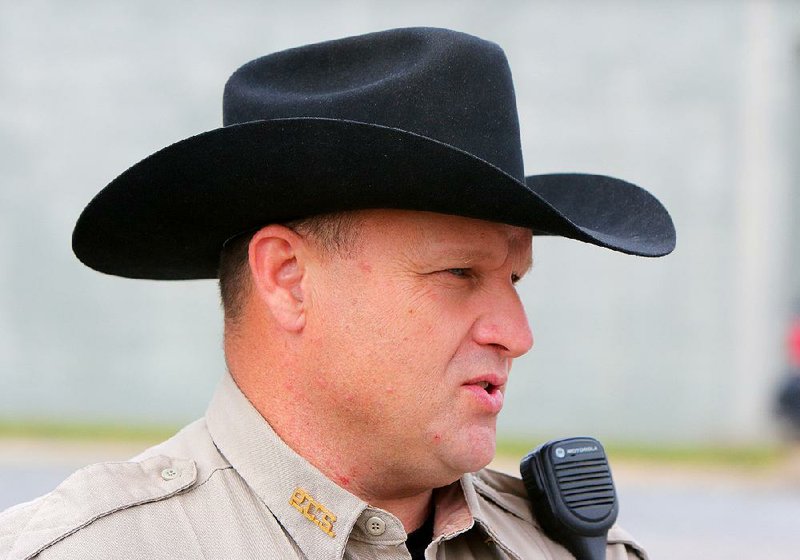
468 254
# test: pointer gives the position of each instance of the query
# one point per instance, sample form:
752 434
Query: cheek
424 312
392 339
394 315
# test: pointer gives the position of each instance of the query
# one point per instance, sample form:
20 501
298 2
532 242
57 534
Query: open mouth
486 386
487 394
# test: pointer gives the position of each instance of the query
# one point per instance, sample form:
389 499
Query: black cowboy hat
419 119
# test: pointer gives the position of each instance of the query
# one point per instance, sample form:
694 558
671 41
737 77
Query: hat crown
445 85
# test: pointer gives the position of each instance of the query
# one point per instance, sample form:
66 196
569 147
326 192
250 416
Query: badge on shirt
314 511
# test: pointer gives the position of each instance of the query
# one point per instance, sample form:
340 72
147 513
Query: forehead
431 234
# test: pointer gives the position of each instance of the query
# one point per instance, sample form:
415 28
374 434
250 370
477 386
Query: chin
482 458
478 451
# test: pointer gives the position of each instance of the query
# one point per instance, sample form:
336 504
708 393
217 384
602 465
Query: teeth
484 384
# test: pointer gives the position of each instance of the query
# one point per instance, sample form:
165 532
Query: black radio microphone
572 494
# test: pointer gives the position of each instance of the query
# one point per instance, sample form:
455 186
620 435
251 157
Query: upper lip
493 379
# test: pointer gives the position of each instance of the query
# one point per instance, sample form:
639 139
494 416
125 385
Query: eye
461 272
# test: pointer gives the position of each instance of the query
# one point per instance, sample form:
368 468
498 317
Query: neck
374 486
411 511
348 464
285 398
370 478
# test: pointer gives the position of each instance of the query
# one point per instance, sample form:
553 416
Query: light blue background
697 101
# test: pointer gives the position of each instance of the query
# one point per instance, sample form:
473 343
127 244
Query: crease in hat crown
418 119
418 80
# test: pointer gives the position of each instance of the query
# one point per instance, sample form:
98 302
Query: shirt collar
317 514
464 506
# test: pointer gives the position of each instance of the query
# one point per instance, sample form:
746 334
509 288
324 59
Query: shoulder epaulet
509 493
89 494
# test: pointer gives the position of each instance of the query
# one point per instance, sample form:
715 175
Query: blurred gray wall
697 101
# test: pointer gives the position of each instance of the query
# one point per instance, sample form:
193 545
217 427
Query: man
366 212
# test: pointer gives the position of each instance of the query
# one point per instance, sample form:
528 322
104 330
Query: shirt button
169 474
376 526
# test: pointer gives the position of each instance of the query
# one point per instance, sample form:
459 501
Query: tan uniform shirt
228 487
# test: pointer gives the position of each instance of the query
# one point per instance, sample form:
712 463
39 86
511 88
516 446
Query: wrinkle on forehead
430 234
469 240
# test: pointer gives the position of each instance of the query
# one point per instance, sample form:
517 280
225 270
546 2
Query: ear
277 268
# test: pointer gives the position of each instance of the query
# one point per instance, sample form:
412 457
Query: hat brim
168 216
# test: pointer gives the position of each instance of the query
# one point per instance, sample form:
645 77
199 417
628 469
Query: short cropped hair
335 233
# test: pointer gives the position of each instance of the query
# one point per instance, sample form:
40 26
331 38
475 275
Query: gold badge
313 511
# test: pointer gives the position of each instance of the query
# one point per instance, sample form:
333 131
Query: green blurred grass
509 447
750 456
85 431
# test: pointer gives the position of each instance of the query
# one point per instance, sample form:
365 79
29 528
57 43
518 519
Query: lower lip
491 401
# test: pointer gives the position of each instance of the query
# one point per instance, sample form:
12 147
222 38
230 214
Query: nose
504 324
